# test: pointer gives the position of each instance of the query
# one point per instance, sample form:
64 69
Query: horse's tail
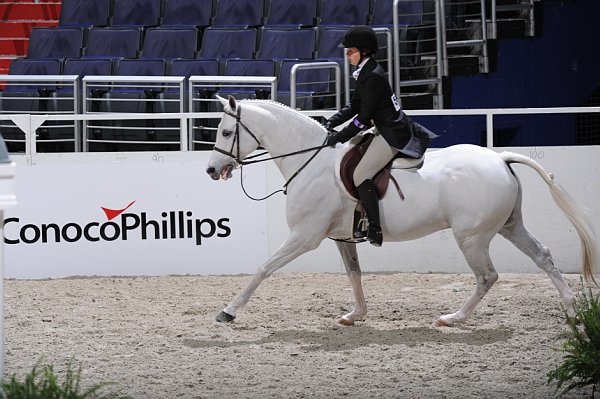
577 216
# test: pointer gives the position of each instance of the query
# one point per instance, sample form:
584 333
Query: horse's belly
465 192
404 220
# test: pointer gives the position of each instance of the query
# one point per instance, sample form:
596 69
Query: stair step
5 64
466 65
29 11
21 29
13 46
514 7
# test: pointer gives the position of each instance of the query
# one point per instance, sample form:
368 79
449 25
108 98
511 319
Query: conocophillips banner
133 217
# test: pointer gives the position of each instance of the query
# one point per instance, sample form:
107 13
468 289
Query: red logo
113 213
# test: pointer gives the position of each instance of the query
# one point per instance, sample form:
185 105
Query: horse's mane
285 107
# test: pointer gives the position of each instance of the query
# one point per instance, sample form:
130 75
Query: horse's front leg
294 246
350 257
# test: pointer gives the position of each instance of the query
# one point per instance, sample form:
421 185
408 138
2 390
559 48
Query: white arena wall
182 222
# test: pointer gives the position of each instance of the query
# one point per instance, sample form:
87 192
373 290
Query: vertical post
338 88
190 109
293 86
396 40
1 298
76 123
183 138
274 90
489 124
183 121
484 38
494 33
442 49
84 123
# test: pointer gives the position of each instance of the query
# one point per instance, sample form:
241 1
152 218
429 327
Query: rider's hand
332 138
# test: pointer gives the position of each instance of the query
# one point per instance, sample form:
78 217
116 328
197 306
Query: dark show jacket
374 103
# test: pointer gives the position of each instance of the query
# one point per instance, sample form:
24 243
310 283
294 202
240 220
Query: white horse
469 189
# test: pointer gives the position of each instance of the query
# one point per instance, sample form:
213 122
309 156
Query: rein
251 160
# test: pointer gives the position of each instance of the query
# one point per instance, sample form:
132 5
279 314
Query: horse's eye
226 133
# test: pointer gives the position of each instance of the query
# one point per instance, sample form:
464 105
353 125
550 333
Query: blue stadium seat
139 67
239 67
239 13
39 98
81 67
136 13
187 68
292 13
55 43
282 43
344 12
187 13
170 43
87 66
113 42
328 43
84 13
228 43
131 100
32 66
409 13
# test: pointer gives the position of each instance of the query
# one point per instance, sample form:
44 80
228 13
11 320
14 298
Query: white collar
359 68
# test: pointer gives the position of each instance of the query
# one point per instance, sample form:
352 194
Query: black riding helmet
361 37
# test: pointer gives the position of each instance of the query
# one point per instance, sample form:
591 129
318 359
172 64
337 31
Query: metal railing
153 96
464 29
103 93
336 82
29 123
421 62
46 94
202 90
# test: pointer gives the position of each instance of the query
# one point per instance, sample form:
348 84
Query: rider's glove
332 138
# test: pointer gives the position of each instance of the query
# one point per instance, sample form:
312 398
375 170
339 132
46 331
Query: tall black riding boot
368 197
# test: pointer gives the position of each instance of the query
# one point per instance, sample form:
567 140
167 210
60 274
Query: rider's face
353 55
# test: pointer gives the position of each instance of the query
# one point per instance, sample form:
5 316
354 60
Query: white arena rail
29 123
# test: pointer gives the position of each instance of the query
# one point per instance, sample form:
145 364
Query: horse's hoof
441 323
225 317
346 322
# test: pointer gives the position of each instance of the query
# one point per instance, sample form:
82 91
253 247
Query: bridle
250 160
236 137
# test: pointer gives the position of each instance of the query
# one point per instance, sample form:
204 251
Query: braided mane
283 106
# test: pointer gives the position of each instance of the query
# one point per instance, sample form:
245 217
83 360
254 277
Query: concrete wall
70 189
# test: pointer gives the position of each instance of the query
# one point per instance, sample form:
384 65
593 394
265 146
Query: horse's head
234 141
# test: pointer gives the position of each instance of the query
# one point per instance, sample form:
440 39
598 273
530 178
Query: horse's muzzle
212 172
224 174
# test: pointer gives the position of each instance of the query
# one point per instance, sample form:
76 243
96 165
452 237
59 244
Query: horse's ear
232 103
221 100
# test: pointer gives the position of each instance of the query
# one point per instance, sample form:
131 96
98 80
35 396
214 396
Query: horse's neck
286 132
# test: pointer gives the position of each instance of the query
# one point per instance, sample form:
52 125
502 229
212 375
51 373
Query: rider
374 104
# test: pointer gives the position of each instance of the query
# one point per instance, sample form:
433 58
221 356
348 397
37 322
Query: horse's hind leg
476 251
515 231
350 257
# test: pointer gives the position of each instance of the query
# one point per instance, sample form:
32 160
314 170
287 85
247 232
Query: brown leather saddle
351 159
